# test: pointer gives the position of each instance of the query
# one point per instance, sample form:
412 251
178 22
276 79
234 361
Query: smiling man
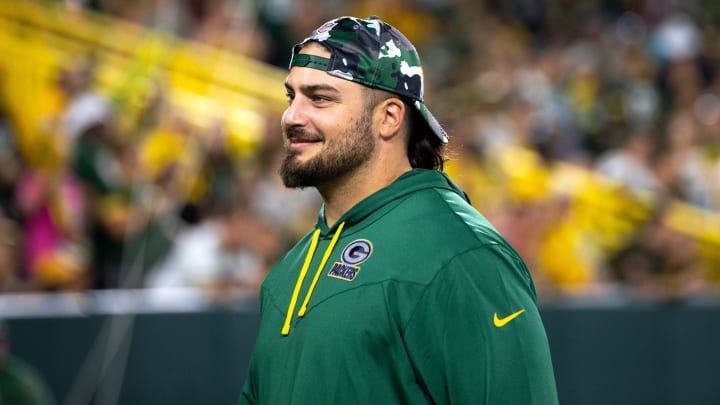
318 152
403 293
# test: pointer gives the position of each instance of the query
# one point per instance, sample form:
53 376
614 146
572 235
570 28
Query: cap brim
434 125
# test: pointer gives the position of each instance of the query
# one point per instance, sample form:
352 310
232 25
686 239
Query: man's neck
341 195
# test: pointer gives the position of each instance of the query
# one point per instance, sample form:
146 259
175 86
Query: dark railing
174 347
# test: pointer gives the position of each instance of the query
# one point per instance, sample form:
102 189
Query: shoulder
447 219
433 231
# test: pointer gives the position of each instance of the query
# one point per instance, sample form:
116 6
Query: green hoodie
412 297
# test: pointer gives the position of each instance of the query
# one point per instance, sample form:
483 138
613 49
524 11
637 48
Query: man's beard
342 154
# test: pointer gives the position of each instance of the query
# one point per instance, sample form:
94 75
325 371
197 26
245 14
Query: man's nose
295 114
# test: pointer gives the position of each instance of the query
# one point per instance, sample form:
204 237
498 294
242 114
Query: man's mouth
298 139
295 141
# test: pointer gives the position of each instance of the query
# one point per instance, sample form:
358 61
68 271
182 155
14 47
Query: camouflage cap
373 53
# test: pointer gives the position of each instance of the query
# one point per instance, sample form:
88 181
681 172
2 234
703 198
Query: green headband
310 61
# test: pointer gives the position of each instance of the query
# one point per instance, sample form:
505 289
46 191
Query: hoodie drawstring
325 258
301 277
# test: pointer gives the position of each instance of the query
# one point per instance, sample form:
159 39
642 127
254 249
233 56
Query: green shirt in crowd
20 384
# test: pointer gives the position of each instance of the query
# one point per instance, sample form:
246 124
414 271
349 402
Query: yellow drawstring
325 258
301 277
291 308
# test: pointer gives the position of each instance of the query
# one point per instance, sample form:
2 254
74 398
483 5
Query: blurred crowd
629 91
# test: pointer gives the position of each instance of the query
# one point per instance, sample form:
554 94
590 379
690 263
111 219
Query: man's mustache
300 135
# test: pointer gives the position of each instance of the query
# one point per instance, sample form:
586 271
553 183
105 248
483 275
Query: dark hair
424 149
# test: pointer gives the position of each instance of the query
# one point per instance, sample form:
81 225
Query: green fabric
20 384
311 61
415 324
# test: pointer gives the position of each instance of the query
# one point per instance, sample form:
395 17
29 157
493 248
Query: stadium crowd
538 97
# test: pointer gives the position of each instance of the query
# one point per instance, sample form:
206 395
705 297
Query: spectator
224 255
10 278
695 182
659 263
10 165
82 105
631 163
51 203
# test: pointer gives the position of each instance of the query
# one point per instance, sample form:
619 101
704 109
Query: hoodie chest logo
354 253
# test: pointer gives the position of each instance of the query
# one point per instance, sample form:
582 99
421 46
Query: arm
459 353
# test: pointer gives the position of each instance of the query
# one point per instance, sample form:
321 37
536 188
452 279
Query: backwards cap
373 53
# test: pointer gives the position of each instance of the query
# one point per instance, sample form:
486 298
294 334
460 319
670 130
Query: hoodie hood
364 214
408 183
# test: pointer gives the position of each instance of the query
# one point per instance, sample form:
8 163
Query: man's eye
319 99
289 97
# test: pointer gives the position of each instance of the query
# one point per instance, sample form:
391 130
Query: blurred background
140 207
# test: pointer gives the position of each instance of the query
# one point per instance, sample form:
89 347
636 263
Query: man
403 293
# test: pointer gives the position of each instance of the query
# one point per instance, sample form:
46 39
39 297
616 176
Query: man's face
328 131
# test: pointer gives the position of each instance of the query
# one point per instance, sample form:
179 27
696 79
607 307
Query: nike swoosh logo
499 323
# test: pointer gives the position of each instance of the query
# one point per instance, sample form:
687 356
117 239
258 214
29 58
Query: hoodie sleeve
476 335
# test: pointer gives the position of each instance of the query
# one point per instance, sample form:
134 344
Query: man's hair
424 149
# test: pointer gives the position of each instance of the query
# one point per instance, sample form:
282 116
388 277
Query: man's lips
302 142
298 138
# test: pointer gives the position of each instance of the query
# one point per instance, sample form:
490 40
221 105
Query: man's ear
393 115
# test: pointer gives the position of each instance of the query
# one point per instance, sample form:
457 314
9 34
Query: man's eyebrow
311 88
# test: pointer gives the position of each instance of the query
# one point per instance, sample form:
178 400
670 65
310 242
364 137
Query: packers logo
354 253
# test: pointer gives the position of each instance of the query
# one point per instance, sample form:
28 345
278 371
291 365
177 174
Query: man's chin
293 180
292 173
